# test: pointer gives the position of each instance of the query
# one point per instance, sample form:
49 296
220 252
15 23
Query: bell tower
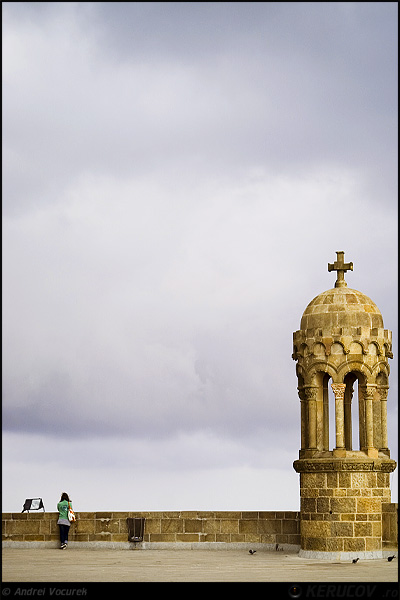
341 352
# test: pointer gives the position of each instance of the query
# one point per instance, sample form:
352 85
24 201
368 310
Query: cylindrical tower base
341 506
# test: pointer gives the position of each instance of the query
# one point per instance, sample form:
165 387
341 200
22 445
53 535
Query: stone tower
342 342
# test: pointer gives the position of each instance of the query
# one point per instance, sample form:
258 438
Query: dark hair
64 496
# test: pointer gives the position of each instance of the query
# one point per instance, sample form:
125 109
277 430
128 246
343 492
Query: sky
176 178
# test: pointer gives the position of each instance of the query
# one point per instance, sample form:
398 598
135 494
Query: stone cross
341 267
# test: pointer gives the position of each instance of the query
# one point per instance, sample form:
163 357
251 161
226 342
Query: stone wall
192 528
188 529
344 511
390 525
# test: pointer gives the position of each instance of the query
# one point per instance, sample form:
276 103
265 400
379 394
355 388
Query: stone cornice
307 465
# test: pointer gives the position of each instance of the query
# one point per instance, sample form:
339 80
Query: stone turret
342 341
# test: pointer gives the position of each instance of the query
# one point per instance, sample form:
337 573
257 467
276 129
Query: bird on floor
390 558
355 560
252 551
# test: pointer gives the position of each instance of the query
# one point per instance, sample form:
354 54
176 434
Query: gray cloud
176 179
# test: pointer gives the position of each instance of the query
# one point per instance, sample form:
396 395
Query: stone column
311 396
304 418
383 392
338 390
348 431
368 394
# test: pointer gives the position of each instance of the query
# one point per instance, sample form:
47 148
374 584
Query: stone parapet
226 528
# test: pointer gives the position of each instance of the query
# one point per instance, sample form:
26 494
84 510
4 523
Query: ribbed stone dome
341 307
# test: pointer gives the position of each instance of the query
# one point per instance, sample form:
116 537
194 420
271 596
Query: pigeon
355 560
390 558
252 551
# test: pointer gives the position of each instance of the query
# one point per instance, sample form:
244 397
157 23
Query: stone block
23 527
315 529
343 505
290 526
354 545
223 537
377 529
85 526
226 514
193 526
347 517
334 545
323 505
106 526
45 527
383 480
368 505
362 529
332 480
249 526
171 526
355 492
267 515
229 526
294 539
103 515
253 515
342 529
374 517
212 526
187 537
152 526
308 505
269 527
344 480
363 480
237 538
373 544
317 544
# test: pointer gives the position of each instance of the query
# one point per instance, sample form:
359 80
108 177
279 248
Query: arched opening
353 413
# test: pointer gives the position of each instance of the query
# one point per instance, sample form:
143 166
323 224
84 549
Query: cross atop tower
341 267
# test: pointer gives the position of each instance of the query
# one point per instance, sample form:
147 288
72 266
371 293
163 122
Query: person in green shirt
63 521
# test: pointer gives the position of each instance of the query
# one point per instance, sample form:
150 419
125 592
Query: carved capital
338 390
368 392
310 393
383 392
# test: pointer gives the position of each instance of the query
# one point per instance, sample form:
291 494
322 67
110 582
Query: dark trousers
64 531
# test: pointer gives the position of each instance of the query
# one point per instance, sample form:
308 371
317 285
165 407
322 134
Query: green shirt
62 508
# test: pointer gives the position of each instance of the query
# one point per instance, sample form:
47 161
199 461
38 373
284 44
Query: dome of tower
341 307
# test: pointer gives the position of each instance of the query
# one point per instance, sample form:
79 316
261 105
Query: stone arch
318 349
355 366
337 348
374 349
381 368
320 367
356 347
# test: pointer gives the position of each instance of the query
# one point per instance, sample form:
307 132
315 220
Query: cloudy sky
176 178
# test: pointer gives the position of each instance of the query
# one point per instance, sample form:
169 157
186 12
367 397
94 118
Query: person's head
64 496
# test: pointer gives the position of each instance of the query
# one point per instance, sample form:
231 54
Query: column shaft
338 390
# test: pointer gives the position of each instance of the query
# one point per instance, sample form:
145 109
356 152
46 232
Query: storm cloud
176 177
